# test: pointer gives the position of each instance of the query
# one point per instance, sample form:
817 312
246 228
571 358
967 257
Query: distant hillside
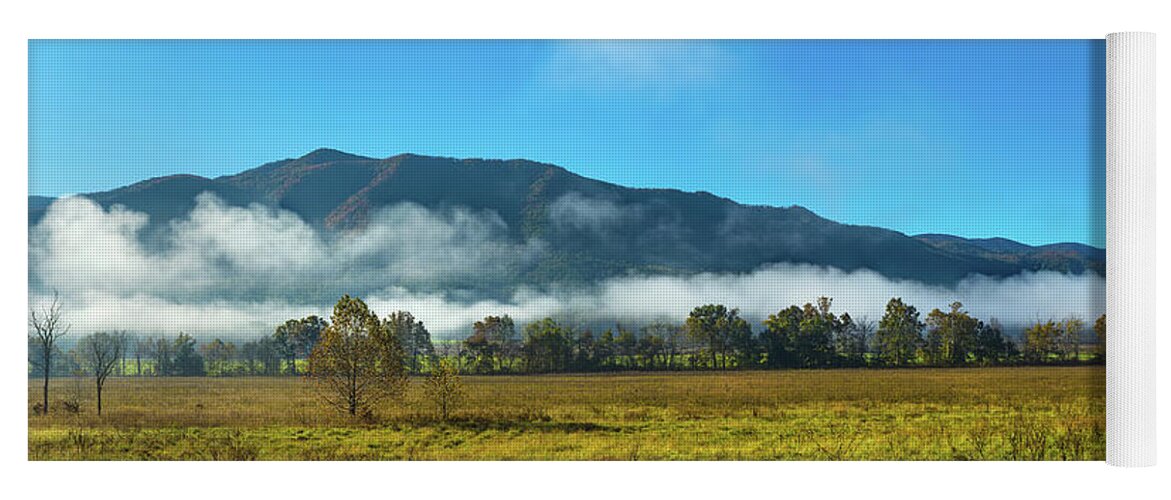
39 202
593 229
1063 257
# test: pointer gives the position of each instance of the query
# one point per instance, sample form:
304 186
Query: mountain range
592 229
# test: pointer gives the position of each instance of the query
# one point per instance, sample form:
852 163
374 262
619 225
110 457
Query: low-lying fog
238 272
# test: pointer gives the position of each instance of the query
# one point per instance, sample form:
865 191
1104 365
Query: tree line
712 337
361 359
716 337
184 356
357 358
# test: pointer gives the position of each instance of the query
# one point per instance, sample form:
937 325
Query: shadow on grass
480 424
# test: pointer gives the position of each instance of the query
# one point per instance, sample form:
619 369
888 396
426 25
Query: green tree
357 361
1072 329
296 338
851 341
626 346
721 329
187 361
249 354
1100 337
412 336
991 345
481 350
604 350
283 343
650 350
444 387
218 353
777 339
672 338
1043 341
417 345
585 352
269 351
804 336
951 335
491 343
745 348
900 333
813 345
548 346
505 334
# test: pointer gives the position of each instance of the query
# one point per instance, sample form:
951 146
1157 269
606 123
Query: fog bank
236 272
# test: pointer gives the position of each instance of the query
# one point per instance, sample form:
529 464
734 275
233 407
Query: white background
542 19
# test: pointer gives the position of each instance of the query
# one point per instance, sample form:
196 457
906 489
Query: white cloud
236 272
574 211
660 68
253 253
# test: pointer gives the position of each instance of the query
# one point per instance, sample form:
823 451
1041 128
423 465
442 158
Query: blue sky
975 138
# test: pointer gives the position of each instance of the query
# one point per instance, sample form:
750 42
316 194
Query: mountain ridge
595 229
1064 257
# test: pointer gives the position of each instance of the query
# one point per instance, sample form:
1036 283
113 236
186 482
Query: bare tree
865 329
124 342
1073 328
162 351
47 330
100 353
671 336
141 348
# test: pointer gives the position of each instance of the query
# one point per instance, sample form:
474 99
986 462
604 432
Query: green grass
1024 413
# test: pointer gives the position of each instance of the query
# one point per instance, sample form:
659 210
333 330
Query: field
1018 413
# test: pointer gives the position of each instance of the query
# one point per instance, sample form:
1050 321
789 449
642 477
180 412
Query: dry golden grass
935 414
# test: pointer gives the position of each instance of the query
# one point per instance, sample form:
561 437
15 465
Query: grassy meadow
1012 413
